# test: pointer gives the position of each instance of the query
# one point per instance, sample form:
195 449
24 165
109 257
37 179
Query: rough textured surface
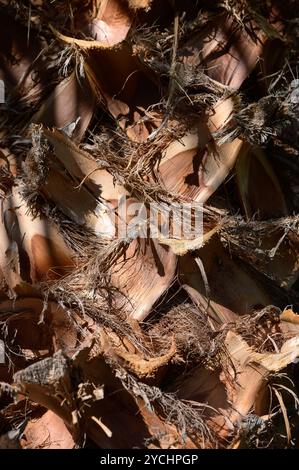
149 340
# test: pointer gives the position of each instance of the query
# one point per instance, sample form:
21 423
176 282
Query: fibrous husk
150 341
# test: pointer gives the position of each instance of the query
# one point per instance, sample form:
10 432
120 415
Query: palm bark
182 343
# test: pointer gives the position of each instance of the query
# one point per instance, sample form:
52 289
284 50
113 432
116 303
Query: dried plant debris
272 118
183 341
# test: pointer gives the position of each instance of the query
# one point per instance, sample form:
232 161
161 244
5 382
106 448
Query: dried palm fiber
247 368
85 168
263 244
120 107
101 415
223 171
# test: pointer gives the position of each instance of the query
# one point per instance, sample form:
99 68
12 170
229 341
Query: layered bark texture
147 341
